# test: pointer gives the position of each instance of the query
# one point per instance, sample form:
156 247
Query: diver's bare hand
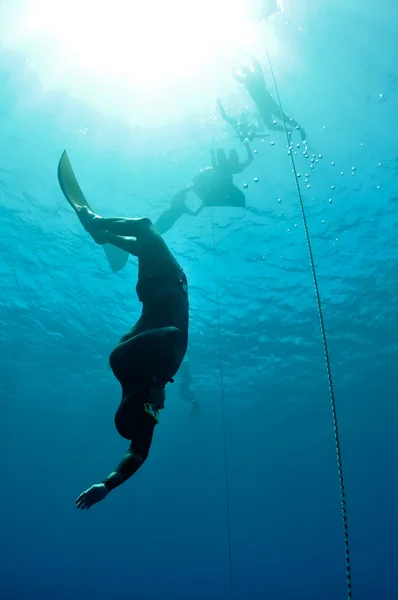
94 494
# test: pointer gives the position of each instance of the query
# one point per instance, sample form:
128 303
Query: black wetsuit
150 354
153 350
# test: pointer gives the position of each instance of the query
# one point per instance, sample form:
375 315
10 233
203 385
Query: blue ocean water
255 352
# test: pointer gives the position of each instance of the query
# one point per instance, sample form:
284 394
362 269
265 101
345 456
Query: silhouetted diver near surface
252 77
214 185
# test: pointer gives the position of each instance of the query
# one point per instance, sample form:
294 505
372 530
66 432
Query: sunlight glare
148 43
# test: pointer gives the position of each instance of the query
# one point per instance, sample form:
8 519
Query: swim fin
117 258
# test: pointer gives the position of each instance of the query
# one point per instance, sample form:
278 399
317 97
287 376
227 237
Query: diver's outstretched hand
94 494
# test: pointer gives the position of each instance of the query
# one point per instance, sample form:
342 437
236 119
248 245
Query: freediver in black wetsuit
252 77
214 185
150 354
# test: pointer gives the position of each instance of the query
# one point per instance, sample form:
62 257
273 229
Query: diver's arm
224 115
129 465
239 167
255 63
257 68
249 159
97 492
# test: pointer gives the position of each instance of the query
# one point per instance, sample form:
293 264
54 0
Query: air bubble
332 187
379 187
308 186
379 165
323 221
279 200
353 168
342 173
245 185
255 180
320 156
272 143
333 163
330 201
255 151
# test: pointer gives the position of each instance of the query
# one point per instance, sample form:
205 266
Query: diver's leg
114 225
167 219
273 126
289 121
121 226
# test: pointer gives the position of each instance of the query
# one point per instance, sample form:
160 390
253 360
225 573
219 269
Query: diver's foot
88 219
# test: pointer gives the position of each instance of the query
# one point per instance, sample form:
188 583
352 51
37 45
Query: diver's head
138 401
